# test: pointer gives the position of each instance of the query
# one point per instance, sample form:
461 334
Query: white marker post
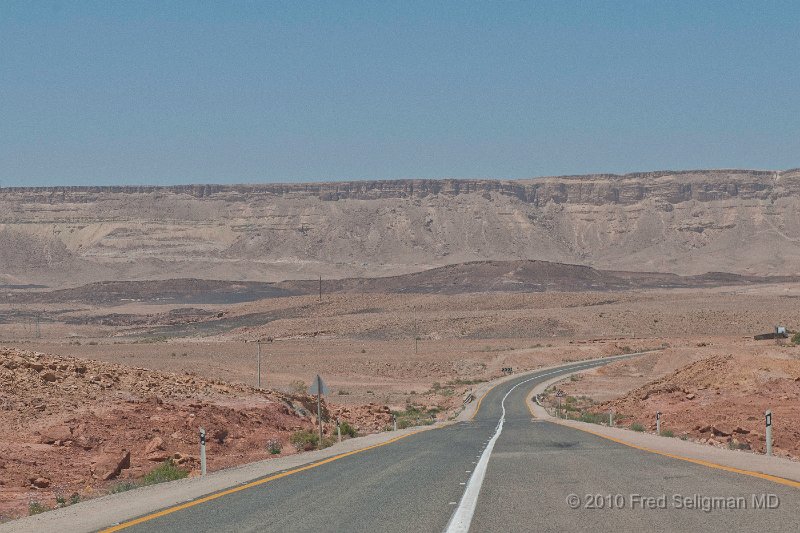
610 418
658 423
768 420
338 431
394 422
202 452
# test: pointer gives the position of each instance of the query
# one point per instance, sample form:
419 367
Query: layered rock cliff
684 222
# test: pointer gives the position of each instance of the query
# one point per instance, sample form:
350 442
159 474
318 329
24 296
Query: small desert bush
347 430
307 440
667 433
796 338
166 471
593 418
35 507
636 426
123 486
298 387
274 446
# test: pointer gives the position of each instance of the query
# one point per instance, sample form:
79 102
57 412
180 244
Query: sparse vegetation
667 433
347 430
796 338
593 418
304 440
459 381
36 507
637 427
307 440
123 486
297 386
166 471
274 446
414 415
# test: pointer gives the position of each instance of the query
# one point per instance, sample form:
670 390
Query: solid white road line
462 516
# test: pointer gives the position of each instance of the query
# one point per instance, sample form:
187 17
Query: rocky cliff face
683 222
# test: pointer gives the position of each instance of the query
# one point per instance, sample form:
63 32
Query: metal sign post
319 388
658 423
768 420
560 394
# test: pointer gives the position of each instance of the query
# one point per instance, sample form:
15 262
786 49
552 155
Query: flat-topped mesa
597 189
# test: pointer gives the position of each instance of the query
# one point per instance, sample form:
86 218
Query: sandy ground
363 345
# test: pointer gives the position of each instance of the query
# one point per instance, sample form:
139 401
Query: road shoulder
777 469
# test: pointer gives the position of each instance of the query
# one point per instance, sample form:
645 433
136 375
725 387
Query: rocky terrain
692 222
721 401
80 427
715 393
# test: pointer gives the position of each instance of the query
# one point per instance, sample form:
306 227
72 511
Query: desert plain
130 318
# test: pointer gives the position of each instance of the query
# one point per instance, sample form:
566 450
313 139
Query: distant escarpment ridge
745 222
669 186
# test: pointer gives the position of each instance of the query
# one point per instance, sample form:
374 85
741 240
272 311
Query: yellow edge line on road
709 464
170 510
478 406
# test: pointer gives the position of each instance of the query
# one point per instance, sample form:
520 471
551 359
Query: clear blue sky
126 92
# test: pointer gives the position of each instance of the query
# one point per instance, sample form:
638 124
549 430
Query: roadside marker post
394 422
768 420
658 422
319 388
202 452
338 431
610 418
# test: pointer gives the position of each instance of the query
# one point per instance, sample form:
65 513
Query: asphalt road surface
535 473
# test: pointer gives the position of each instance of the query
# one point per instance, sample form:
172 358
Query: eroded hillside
684 222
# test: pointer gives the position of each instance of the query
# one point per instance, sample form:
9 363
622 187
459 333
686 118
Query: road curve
423 483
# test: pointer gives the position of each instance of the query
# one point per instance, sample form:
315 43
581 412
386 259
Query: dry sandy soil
711 381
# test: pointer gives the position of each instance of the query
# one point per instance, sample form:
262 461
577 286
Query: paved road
417 484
